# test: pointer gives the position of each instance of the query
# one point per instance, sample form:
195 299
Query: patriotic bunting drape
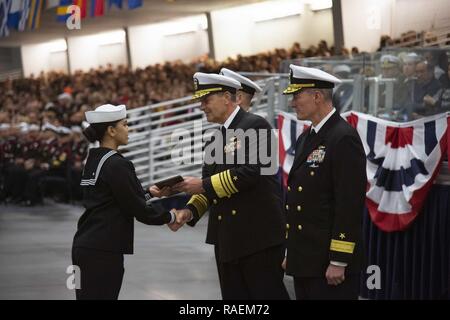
403 160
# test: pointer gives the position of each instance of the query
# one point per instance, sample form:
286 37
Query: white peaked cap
411 57
206 83
247 85
342 68
389 60
304 77
106 113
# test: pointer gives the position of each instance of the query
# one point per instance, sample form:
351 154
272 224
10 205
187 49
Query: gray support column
212 50
338 28
127 42
69 68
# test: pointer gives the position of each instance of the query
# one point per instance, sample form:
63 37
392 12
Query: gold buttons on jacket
299 208
233 212
300 227
289 188
311 173
219 217
300 189
287 207
215 201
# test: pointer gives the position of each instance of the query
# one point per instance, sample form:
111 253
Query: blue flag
133 4
117 3
5 6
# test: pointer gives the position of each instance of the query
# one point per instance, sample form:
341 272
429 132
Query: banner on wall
403 160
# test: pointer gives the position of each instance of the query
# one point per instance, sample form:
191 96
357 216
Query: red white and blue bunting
403 160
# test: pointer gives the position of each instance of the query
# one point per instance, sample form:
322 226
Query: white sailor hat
106 113
247 85
49 126
411 57
341 68
389 61
207 83
303 77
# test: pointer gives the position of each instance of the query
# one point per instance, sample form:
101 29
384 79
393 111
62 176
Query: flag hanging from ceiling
61 11
49 4
117 3
34 17
403 160
5 6
97 8
18 14
83 7
133 4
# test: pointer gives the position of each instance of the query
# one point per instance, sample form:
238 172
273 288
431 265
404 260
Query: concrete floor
35 251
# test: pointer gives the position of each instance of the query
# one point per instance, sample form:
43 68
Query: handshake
181 217
189 185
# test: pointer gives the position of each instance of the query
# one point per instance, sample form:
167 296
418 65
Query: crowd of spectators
41 117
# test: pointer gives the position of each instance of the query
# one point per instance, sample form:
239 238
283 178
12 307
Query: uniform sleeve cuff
338 264
148 198
209 189
173 217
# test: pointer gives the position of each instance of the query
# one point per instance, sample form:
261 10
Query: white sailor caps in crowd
247 85
411 57
389 61
341 68
303 77
207 83
106 113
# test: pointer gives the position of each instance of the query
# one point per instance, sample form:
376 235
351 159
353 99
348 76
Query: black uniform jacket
112 203
245 206
325 200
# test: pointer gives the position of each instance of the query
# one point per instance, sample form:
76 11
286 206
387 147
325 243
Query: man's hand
157 192
335 275
182 216
283 264
428 100
190 185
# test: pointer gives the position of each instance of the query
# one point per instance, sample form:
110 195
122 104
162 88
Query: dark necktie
310 136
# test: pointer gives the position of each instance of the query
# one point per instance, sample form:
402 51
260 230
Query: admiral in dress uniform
113 198
247 91
246 221
325 194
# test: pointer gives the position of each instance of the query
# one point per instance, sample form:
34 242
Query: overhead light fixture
271 10
186 25
112 37
57 46
317 5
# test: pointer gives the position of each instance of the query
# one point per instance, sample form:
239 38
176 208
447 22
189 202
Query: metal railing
11 74
155 151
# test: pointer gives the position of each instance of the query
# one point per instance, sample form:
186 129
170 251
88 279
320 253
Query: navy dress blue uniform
106 229
324 206
246 221
113 198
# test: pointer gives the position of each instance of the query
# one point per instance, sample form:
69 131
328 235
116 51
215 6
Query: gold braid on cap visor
294 87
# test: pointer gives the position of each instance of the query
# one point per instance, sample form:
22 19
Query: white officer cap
411 57
207 83
106 113
389 61
247 85
303 77
341 68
